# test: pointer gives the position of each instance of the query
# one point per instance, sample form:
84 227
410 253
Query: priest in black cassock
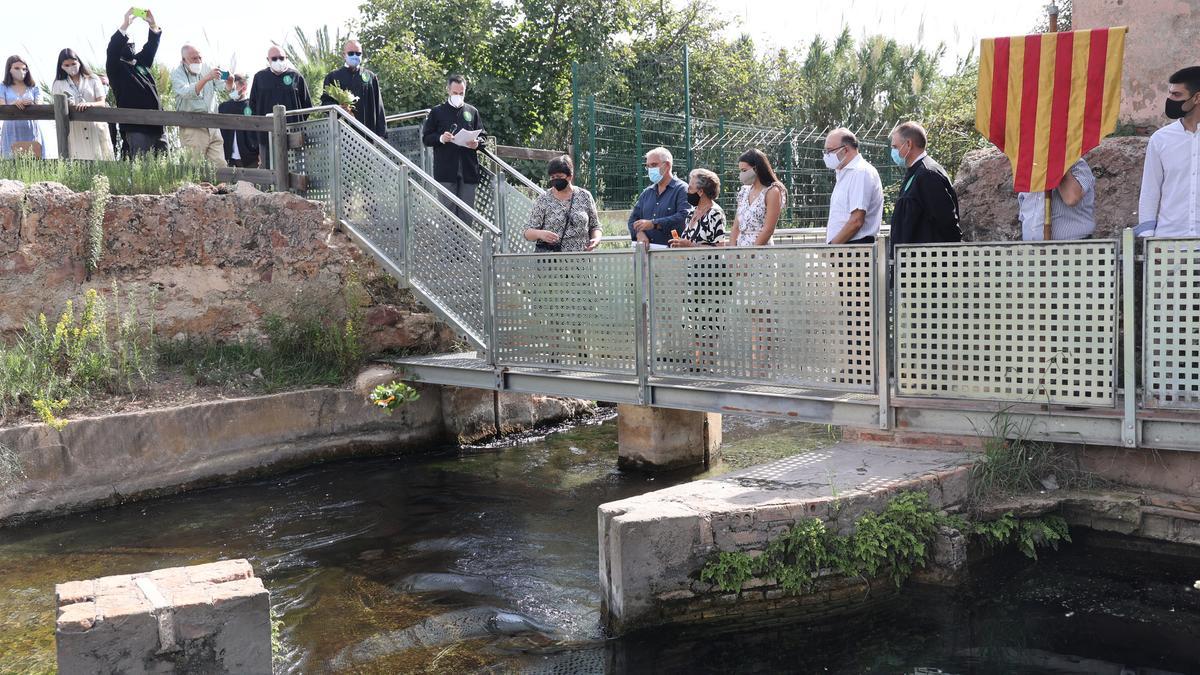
277 84
362 83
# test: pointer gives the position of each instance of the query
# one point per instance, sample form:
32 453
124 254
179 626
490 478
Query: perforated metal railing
567 311
1171 331
1022 322
787 315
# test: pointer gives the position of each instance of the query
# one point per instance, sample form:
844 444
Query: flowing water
484 560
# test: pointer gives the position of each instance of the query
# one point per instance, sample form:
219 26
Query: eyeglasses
832 150
353 53
278 58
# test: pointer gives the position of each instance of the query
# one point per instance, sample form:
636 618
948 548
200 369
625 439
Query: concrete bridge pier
662 439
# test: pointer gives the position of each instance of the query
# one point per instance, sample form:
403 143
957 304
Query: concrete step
652 545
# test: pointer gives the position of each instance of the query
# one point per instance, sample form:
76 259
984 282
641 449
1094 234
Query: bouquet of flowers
341 97
393 395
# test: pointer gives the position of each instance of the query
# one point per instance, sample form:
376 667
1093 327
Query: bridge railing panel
315 159
369 192
566 311
1171 328
784 315
1015 322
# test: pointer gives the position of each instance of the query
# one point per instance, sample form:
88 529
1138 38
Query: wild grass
145 175
1012 463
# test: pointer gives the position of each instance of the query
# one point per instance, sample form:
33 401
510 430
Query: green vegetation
10 466
1013 464
895 542
145 175
315 57
393 395
85 353
95 231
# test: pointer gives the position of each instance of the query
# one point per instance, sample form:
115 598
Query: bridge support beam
662 439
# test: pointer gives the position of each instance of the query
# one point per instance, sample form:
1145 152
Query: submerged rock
440 582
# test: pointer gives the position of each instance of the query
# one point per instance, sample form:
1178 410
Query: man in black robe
132 81
455 166
277 84
362 83
927 206
241 147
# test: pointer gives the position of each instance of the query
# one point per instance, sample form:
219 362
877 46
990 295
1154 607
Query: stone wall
217 260
988 205
1162 38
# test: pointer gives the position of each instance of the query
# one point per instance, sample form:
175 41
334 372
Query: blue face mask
898 159
654 173
354 60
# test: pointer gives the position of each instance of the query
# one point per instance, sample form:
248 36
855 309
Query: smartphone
140 12
674 234
224 74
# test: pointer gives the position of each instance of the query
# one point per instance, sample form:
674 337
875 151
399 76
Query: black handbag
543 247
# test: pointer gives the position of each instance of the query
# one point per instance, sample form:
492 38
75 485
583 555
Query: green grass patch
1013 464
146 175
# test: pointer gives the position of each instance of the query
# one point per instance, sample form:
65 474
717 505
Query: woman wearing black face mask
564 218
705 225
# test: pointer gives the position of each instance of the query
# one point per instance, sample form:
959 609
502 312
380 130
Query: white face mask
456 100
195 67
279 66
72 70
18 74
747 176
831 160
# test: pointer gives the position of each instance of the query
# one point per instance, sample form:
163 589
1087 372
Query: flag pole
1052 10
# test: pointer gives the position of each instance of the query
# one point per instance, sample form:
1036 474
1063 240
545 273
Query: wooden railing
275 124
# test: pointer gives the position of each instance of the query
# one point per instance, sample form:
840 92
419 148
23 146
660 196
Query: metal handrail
508 169
399 157
412 114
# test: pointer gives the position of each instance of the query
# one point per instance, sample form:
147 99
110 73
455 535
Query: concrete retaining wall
106 460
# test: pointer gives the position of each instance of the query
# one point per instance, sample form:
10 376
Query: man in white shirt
195 85
856 205
1170 200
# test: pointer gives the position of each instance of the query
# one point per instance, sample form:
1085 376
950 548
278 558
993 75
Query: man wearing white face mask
455 166
277 84
856 205
364 84
195 86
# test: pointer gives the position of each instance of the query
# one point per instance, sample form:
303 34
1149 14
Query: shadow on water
483 559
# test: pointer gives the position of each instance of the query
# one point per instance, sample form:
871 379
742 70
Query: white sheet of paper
463 137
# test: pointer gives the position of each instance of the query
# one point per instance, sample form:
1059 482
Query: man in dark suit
131 77
455 166
927 206
241 147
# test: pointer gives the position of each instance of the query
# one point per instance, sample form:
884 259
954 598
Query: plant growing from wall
95 231
1028 534
10 466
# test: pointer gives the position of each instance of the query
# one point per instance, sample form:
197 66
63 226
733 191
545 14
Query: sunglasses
353 53
278 58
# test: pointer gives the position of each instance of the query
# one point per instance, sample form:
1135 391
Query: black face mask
559 184
694 198
1174 109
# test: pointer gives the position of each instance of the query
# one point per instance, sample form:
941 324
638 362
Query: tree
315 57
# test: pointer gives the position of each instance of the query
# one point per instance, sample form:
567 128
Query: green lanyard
905 188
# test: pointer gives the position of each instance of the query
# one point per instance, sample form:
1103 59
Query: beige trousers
203 144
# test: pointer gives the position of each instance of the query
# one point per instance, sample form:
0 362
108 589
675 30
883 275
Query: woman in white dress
760 201
84 89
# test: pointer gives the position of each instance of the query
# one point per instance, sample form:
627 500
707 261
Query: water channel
484 560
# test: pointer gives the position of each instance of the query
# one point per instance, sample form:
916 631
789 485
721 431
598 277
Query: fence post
879 304
1130 435
720 145
486 279
687 108
406 221
641 281
501 213
575 112
335 187
592 143
402 218
279 149
637 129
62 125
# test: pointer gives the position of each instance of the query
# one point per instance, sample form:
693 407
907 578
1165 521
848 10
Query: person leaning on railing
705 224
760 201
663 206
19 90
133 84
83 89
564 217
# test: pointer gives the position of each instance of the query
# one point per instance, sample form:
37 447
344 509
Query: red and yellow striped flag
1045 100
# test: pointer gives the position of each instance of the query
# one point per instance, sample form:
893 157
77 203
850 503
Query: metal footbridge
1094 341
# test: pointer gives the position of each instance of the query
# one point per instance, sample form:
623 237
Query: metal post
575 113
402 219
592 142
501 213
641 276
879 304
1130 431
279 147
62 125
720 145
486 251
687 108
406 221
637 129
335 185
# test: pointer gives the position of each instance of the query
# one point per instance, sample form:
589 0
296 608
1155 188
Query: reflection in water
484 560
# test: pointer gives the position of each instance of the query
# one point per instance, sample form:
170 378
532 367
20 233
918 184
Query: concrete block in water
213 618
664 439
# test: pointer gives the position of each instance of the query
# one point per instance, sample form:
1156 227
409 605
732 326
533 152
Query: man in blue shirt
663 206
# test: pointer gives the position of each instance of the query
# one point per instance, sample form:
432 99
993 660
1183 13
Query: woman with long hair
83 89
760 201
18 89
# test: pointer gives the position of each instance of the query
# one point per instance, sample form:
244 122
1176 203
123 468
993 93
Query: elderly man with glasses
277 84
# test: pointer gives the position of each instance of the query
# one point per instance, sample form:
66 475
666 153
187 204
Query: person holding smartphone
133 86
195 84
